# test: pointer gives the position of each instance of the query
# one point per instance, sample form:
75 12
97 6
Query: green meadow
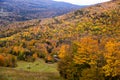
38 70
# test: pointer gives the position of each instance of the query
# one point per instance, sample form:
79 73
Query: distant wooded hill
20 10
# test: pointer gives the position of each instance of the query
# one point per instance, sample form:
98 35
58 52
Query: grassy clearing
37 66
38 71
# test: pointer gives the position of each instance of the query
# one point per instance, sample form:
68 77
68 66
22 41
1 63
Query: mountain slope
51 37
20 10
87 15
101 21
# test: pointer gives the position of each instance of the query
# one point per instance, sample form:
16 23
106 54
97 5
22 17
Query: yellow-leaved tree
112 57
63 51
87 51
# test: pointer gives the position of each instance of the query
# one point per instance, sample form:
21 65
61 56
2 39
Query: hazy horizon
81 2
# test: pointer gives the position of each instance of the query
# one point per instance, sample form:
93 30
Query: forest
85 43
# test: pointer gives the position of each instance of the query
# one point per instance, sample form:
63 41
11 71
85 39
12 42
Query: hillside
21 10
90 15
87 40
53 32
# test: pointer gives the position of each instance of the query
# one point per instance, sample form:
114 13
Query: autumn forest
85 44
